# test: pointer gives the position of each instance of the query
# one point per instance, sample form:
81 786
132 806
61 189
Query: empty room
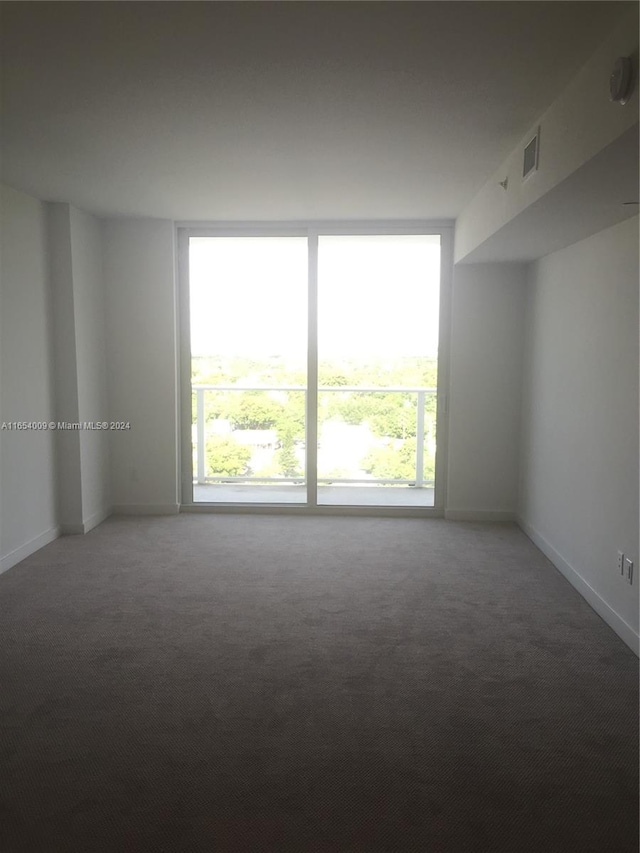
319 445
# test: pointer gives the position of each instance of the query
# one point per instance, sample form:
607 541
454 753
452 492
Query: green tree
252 410
395 416
397 462
290 421
225 457
354 407
391 463
330 376
287 459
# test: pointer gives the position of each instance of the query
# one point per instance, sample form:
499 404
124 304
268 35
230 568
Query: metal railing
418 481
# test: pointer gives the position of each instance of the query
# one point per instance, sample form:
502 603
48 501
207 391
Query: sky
377 296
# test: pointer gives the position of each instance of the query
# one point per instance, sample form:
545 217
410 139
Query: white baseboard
604 610
96 519
86 525
146 509
29 548
71 529
478 515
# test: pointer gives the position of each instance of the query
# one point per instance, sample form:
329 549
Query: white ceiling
279 111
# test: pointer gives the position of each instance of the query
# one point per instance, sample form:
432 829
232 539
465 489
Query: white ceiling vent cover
531 156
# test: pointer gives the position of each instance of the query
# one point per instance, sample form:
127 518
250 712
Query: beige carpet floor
261 683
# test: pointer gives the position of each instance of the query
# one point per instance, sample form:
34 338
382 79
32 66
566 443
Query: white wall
141 353
52 368
485 385
80 369
580 123
89 313
27 463
579 463
67 442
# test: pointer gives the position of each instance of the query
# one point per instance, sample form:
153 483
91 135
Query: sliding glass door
312 368
378 301
248 330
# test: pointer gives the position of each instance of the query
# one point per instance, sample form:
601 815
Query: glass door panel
378 313
248 316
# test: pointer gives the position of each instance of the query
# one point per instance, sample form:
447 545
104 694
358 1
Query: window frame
311 231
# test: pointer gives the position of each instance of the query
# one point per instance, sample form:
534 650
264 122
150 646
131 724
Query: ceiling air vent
530 159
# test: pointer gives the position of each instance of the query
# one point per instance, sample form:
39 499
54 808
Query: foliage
389 416
415 371
226 457
252 410
290 423
257 410
288 461
329 377
392 462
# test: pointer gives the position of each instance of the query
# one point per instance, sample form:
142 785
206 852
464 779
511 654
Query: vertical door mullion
186 457
312 374
444 338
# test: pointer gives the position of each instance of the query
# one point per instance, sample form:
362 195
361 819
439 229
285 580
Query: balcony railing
202 478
